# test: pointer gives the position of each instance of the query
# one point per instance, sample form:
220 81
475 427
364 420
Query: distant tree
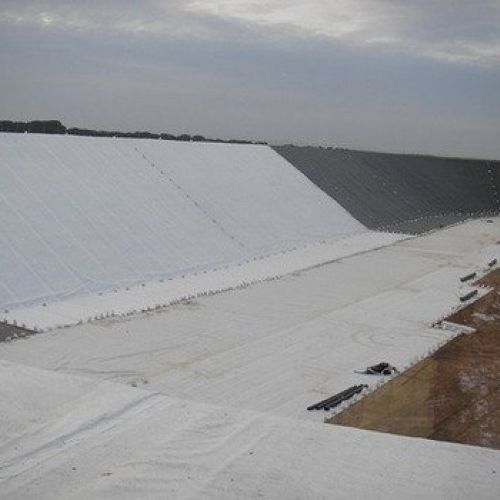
56 127
145 135
75 131
10 126
167 137
238 141
46 127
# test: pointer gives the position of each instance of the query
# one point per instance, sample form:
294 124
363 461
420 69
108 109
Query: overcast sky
410 76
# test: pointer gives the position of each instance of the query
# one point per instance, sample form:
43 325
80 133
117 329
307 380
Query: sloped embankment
406 193
81 215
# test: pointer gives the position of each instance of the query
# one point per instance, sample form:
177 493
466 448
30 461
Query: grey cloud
238 77
150 17
447 30
456 31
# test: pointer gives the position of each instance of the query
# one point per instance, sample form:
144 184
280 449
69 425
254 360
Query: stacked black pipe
333 401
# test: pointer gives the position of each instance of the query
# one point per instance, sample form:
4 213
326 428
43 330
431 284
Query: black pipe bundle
333 401
468 296
468 277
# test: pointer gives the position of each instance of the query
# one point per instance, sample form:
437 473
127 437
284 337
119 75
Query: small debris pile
382 368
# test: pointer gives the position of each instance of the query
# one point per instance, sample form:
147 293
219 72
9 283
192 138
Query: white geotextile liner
80 215
160 293
281 345
68 438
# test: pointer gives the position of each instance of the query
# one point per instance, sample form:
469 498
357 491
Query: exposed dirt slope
454 395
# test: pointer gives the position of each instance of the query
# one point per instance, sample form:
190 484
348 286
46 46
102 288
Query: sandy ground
454 395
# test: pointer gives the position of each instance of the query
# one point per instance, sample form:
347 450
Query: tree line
56 127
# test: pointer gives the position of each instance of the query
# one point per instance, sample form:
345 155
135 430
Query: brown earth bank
454 395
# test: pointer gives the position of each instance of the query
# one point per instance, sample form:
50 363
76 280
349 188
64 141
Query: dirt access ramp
454 395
